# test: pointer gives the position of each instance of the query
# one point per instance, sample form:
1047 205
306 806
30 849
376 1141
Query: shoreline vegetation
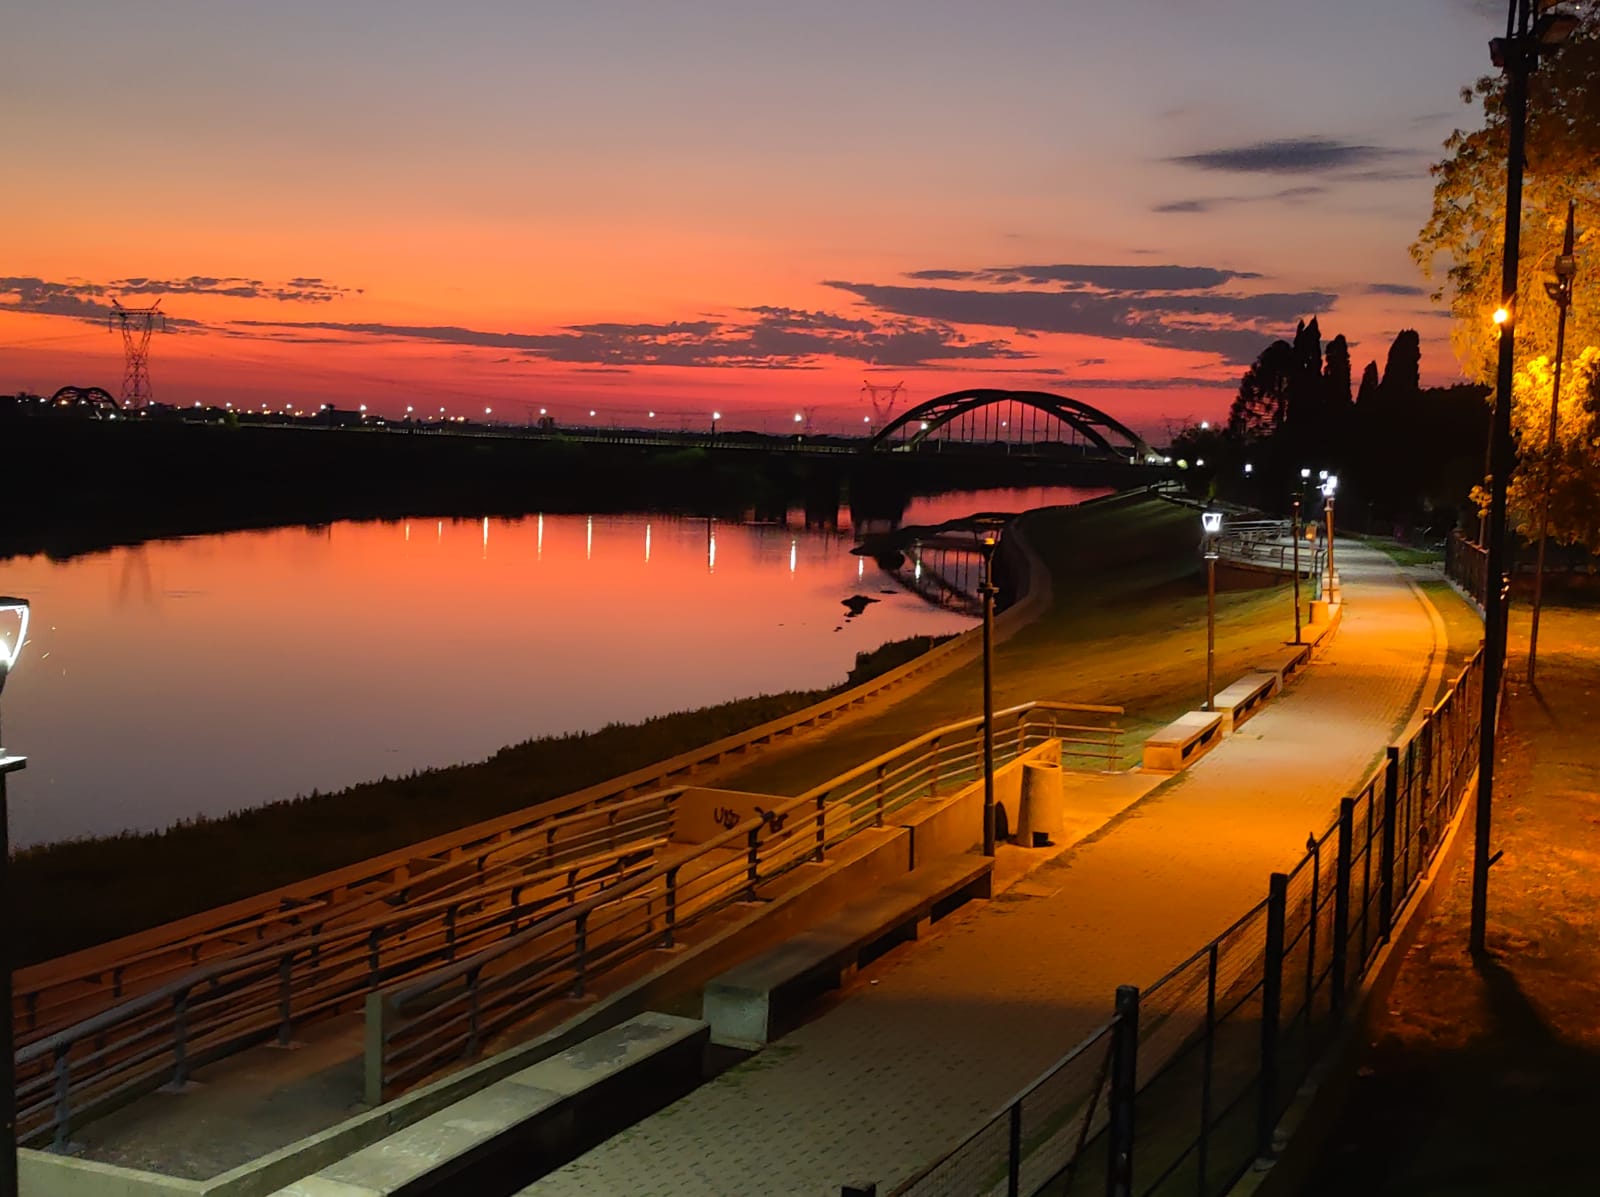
207 861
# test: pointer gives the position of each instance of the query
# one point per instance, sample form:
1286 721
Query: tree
1402 371
1336 374
1369 385
1465 232
1261 407
1575 480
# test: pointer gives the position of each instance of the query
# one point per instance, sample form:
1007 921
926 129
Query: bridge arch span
1107 433
98 400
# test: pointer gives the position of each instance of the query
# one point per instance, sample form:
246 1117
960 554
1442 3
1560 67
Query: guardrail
454 1011
1467 564
1201 1066
55 993
220 1007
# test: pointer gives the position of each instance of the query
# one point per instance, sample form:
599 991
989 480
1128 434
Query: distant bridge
1021 421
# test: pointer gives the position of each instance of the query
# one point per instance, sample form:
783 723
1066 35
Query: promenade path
932 1040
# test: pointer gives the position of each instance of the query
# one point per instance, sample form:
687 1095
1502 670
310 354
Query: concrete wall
703 814
41 1174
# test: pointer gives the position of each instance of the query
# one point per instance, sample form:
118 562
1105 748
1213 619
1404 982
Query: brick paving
932 1040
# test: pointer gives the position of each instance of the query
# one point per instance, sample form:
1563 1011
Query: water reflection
202 675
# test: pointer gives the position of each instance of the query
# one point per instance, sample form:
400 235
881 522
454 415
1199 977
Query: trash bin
1041 810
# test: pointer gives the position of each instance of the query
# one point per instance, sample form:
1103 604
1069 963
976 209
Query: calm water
212 673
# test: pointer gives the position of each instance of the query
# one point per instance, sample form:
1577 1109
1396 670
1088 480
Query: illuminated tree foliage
1461 247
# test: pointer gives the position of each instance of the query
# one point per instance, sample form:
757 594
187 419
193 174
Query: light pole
1329 485
17 609
987 590
1211 522
715 416
1559 290
1517 54
1295 529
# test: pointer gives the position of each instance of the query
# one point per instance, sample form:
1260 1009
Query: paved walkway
932 1040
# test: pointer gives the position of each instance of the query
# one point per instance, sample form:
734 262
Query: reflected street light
987 590
14 614
1211 522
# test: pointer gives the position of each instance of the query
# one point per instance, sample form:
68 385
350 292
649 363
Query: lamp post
17 609
1295 529
715 416
1211 522
987 590
1517 54
1560 290
1329 485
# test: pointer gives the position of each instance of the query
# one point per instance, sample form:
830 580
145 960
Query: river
206 674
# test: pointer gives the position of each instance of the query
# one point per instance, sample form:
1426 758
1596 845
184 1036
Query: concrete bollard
1041 810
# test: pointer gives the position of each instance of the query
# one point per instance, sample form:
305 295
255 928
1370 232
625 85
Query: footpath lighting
1294 529
987 590
1532 31
13 635
1211 522
1560 290
715 416
1502 315
1330 485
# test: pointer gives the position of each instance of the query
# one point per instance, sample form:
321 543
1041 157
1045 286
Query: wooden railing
418 1027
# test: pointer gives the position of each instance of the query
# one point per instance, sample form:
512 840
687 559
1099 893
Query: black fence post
1271 1006
1391 802
1341 900
1124 1088
1014 1152
1203 1150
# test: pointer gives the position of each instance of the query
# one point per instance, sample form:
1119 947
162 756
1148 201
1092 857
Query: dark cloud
83 300
1395 289
296 290
778 338
1104 278
1211 203
1290 155
1234 326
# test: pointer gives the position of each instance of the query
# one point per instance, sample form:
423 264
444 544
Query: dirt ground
1483 1077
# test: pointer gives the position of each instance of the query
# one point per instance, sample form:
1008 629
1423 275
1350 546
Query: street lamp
1295 537
1329 485
1528 36
715 416
1560 290
1211 521
987 590
14 611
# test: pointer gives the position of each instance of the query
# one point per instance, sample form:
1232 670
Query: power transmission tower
136 325
883 399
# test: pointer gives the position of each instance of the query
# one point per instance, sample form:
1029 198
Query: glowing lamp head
1502 315
1248 468
1331 485
13 633
1305 472
1211 521
798 417
716 415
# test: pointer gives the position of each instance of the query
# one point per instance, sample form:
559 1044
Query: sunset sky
701 205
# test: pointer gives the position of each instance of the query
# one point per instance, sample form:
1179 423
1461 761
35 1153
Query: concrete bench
534 1120
754 1003
1183 741
1242 699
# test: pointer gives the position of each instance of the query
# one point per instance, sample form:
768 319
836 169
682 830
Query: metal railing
1467 564
453 1012
589 885
1206 1061
54 995
223 1006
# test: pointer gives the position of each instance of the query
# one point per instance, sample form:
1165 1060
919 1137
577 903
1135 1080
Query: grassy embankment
1125 625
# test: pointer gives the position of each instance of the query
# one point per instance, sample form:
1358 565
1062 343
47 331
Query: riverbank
1124 624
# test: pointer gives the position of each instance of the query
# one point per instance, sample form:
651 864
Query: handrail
96 960
260 987
740 833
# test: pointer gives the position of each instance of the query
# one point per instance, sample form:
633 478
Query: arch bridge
1035 422
97 401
